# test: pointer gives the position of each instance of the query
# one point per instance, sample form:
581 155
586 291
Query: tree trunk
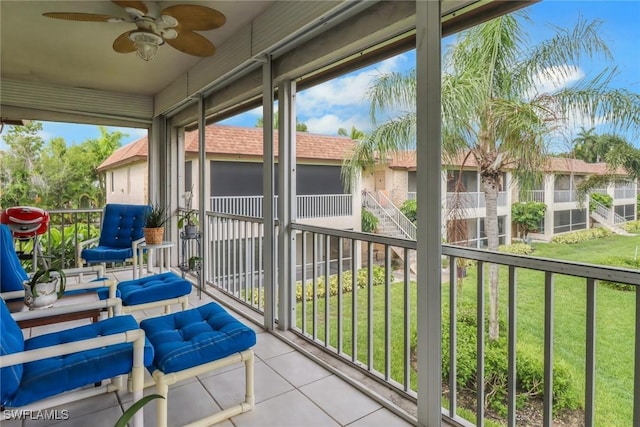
490 187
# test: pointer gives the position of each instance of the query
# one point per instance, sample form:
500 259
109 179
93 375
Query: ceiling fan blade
192 43
123 44
85 17
196 18
138 5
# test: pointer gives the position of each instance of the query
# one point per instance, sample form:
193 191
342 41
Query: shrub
631 226
410 209
378 279
581 236
527 216
516 248
619 261
529 362
369 222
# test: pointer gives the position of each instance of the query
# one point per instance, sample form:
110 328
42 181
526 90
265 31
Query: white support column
268 191
428 146
202 206
178 176
159 163
286 204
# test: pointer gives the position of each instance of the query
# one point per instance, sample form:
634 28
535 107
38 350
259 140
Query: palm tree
355 134
586 146
492 111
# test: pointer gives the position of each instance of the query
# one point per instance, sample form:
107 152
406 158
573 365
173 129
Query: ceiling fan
175 25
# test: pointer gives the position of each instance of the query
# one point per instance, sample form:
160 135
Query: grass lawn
615 324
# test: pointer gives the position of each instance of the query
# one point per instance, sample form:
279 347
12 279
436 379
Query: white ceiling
79 54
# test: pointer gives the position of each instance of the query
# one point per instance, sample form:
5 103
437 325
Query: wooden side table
164 257
93 314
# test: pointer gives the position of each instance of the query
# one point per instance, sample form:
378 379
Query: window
112 182
188 175
625 211
569 220
469 180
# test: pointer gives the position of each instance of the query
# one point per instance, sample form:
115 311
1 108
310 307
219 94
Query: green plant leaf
129 413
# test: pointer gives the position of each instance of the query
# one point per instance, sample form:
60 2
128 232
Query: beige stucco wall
399 183
128 184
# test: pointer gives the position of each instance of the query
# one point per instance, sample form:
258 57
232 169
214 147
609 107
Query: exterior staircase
391 222
608 219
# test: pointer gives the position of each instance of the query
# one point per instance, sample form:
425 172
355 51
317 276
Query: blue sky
341 102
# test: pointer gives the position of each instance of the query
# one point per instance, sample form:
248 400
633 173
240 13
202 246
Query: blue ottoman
196 341
160 290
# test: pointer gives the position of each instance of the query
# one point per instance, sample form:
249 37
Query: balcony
308 206
565 196
471 200
365 335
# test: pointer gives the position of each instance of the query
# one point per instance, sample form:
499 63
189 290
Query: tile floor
291 390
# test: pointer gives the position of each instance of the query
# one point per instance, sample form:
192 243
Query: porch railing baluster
453 335
590 357
548 350
480 345
511 350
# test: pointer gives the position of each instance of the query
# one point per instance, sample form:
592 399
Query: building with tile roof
396 179
234 170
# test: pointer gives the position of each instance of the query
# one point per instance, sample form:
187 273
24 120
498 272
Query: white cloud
555 78
330 123
344 91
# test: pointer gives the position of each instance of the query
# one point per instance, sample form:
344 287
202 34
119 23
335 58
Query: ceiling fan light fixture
146 44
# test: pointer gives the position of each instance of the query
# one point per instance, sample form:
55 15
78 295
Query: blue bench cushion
45 378
101 254
194 337
153 288
11 341
11 272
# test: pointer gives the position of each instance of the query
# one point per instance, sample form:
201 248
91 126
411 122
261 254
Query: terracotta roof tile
137 150
248 141
241 141
407 160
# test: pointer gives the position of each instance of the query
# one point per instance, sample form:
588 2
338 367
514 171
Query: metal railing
624 191
607 215
66 228
565 196
534 196
308 206
584 282
235 266
389 213
364 312
473 199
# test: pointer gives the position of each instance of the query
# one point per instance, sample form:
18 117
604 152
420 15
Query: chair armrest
135 244
80 246
115 303
111 284
72 347
80 272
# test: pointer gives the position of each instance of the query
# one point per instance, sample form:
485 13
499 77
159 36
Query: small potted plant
44 288
154 224
195 263
188 219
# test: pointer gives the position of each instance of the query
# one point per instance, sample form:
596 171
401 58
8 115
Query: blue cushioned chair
54 369
196 341
120 233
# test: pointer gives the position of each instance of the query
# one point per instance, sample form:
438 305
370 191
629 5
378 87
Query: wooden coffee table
93 314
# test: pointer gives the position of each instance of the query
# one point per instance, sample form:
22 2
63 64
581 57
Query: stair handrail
403 223
604 212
